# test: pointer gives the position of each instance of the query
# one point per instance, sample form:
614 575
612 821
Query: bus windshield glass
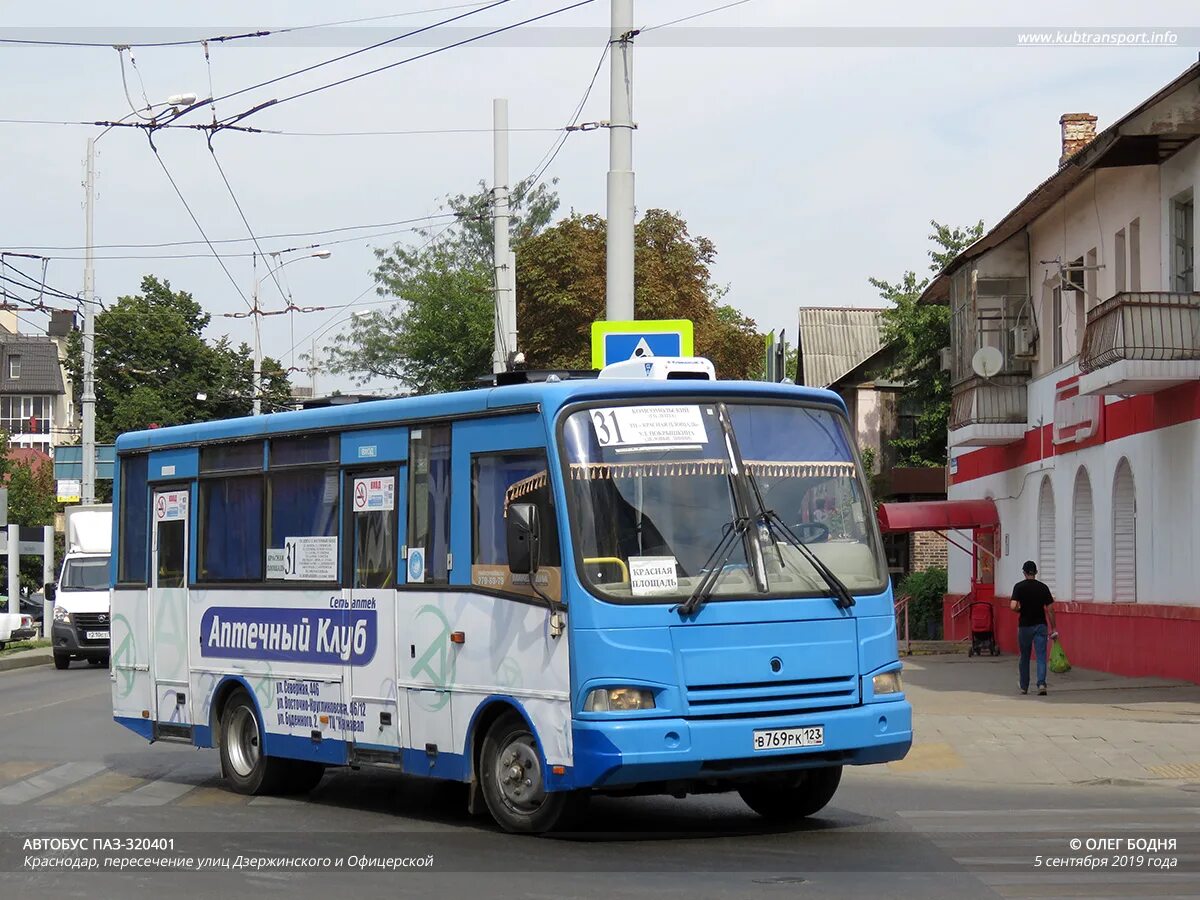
90 574
653 489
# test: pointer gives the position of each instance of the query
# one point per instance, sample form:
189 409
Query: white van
81 596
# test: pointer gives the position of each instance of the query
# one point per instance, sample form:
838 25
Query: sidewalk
972 724
41 656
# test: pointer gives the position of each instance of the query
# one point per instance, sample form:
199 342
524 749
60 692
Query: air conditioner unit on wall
1023 342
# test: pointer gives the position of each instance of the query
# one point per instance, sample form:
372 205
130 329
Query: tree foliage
561 291
919 332
438 336
151 360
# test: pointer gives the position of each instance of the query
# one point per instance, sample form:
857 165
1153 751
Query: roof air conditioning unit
1024 346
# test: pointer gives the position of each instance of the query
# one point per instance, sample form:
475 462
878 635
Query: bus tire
303 776
244 764
798 796
513 784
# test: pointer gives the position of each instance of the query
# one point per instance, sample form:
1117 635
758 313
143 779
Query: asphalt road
67 770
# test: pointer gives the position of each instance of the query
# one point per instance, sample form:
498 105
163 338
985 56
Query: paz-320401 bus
661 584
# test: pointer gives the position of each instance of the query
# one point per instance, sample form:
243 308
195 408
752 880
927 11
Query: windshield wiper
732 533
775 526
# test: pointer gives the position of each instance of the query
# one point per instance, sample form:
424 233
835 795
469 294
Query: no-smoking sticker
374 494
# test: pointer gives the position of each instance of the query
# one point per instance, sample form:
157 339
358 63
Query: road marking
13 770
41 706
273 801
156 793
93 790
47 782
1176 770
213 796
933 757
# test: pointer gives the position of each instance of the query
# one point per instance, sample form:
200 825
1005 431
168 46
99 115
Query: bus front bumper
627 752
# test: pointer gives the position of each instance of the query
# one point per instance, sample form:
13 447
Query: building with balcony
1075 364
35 408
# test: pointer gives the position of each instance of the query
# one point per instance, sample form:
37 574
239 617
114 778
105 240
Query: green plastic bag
1058 659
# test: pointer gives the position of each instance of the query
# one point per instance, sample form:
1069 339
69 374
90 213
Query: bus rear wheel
513 783
244 764
794 796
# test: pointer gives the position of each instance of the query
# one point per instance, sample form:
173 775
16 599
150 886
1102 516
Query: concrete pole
14 569
47 575
504 326
619 290
256 407
88 400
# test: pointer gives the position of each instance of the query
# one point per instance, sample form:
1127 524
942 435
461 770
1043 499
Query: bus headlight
887 683
61 615
620 699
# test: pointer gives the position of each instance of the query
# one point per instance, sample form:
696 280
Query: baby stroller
983 630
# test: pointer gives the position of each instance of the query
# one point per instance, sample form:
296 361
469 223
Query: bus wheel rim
244 747
519 775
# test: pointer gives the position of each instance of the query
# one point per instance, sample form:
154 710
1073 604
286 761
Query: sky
812 143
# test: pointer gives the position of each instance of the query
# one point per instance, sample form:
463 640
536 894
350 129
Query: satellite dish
987 362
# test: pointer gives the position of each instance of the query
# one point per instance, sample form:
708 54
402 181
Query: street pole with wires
256 386
619 287
505 286
88 400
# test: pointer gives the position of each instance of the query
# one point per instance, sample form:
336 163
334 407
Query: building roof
1149 134
40 369
834 340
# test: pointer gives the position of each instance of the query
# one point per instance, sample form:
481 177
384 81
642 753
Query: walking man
1032 599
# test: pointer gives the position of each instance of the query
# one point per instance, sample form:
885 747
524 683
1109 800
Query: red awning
937 515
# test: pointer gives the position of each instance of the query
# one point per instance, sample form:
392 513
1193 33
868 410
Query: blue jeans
1032 637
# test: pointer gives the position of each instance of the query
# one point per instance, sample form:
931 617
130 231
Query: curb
43 656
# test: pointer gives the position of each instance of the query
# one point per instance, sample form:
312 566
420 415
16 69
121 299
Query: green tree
32 500
151 361
438 335
561 291
919 332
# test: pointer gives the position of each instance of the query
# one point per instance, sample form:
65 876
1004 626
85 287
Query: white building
1083 423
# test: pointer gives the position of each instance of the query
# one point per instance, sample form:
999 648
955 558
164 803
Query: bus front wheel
244 764
794 797
513 783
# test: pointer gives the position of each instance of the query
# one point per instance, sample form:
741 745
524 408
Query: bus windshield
653 489
90 574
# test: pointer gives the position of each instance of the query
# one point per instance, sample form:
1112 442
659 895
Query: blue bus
651 581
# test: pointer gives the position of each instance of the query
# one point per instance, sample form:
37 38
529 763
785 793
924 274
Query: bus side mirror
51 591
524 538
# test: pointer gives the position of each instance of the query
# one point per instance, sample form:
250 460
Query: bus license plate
783 738
97 635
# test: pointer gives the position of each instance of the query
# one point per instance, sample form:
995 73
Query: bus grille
771 698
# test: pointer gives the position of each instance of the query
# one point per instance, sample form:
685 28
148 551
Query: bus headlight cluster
619 699
887 683
61 615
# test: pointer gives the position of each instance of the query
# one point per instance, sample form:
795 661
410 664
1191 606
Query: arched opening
1083 540
1124 535
1046 558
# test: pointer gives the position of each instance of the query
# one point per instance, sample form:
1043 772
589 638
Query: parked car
15 626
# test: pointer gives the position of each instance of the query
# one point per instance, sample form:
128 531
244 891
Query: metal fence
1147 325
989 401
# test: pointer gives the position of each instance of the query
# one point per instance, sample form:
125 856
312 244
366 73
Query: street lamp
257 403
88 398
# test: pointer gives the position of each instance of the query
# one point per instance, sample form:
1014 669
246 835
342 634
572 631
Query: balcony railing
1155 326
989 401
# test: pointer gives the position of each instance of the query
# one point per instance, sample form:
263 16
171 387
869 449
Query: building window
1047 564
1124 535
1183 243
908 414
26 415
1135 255
1083 540
1058 326
1119 262
14 366
1091 277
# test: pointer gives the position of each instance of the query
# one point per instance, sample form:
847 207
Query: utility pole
256 409
506 306
88 492
619 289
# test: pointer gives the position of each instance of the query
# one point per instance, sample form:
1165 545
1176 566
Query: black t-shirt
1033 598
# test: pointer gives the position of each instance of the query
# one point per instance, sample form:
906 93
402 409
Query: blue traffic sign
620 341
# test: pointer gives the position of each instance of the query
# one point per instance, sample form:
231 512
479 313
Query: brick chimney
1078 130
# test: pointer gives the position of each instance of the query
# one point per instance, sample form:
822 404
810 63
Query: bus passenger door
373 498
168 609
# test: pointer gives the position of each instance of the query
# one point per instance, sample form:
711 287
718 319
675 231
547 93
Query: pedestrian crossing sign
620 341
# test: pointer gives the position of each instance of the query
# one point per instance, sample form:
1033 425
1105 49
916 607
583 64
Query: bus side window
497 479
429 499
